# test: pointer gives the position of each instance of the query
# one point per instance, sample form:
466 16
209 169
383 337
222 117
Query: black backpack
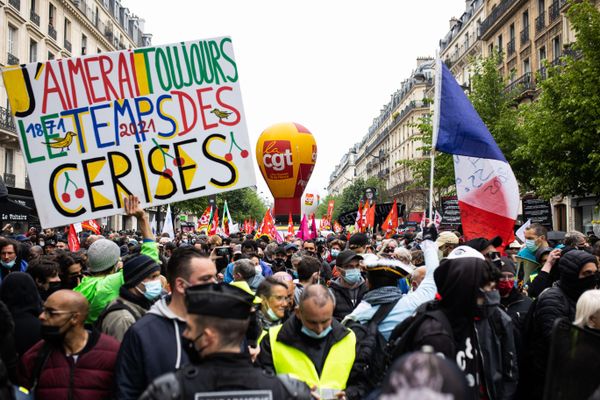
371 361
118 305
402 338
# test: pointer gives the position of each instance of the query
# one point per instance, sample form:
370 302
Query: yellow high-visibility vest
336 370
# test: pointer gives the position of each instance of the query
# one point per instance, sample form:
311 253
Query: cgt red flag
91 225
215 222
371 217
73 239
290 230
391 221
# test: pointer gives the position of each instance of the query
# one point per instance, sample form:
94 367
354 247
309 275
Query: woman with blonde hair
587 315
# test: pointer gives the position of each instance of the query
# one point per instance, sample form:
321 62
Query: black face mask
189 346
53 335
584 284
52 287
491 301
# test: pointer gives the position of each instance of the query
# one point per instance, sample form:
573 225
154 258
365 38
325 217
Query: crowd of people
422 315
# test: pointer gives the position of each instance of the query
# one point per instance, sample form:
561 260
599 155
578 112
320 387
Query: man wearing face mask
250 249
578 273
459 326
152 346
350 287
104 284
312 345
512 301
141 289
9 258
76 363
44 272
217 319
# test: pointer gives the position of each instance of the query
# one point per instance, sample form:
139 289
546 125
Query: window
9 160
556 50
499 42
67 31
542 56
51 14
490 49
33 7
33 51
512 31
541 7
50 56
526 66
83 45
13 35
526 20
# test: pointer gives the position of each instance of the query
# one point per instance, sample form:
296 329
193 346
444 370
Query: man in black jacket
512 301
350 287
578 272
469 327
217 320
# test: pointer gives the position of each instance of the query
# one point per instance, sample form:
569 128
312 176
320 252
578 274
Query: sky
329 65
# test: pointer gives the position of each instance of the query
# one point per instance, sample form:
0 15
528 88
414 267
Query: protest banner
165 123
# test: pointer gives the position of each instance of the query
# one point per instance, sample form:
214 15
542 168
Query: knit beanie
137 268
102 255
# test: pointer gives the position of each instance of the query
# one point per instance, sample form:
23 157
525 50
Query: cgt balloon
286 154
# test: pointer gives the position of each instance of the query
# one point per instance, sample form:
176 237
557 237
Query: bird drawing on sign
61 143
220 113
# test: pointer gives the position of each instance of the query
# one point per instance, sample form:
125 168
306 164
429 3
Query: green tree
243 203
562 128
420 168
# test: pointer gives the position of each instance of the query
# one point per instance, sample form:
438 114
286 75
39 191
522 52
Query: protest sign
165 123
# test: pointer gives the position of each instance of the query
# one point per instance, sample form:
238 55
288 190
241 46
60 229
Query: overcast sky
329 65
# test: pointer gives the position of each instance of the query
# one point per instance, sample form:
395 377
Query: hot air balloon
286 154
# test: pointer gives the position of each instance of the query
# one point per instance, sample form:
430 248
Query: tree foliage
562 128
243 203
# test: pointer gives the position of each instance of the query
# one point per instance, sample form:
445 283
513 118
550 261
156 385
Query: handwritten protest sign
165 123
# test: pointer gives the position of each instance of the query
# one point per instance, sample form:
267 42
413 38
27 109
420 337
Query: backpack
371 361
403 336
118 305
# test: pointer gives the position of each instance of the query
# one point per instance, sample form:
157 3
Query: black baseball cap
345 257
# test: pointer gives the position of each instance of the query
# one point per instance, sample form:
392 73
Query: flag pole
436 126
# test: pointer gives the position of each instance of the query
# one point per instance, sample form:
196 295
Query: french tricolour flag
487 190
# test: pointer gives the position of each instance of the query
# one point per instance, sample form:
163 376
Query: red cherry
228 156
168 172
65 197
244 153
79 193
178 162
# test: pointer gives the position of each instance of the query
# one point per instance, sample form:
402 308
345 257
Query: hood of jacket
458 282
161 308
19 293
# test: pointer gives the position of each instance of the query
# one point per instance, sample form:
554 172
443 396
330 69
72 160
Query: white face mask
258 269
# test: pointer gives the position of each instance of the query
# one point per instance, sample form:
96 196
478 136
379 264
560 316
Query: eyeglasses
52 313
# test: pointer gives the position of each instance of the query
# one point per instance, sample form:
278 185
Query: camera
223 251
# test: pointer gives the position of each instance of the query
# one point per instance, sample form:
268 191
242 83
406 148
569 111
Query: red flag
337 227
365 222
204 221
215 222
290 230
267 226
359 220
371 217
391 221
73 239
91 225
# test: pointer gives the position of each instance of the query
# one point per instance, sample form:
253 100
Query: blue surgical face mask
271 314
530 245
9 264
153 289
313 334
335 252
352 276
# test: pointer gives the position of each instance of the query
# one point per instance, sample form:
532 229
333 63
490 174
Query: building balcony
51 32
521 84
9 179
12 60
6 120
34 17
15 3
496 14
525 36
68 46
510 47
540 23
554 11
